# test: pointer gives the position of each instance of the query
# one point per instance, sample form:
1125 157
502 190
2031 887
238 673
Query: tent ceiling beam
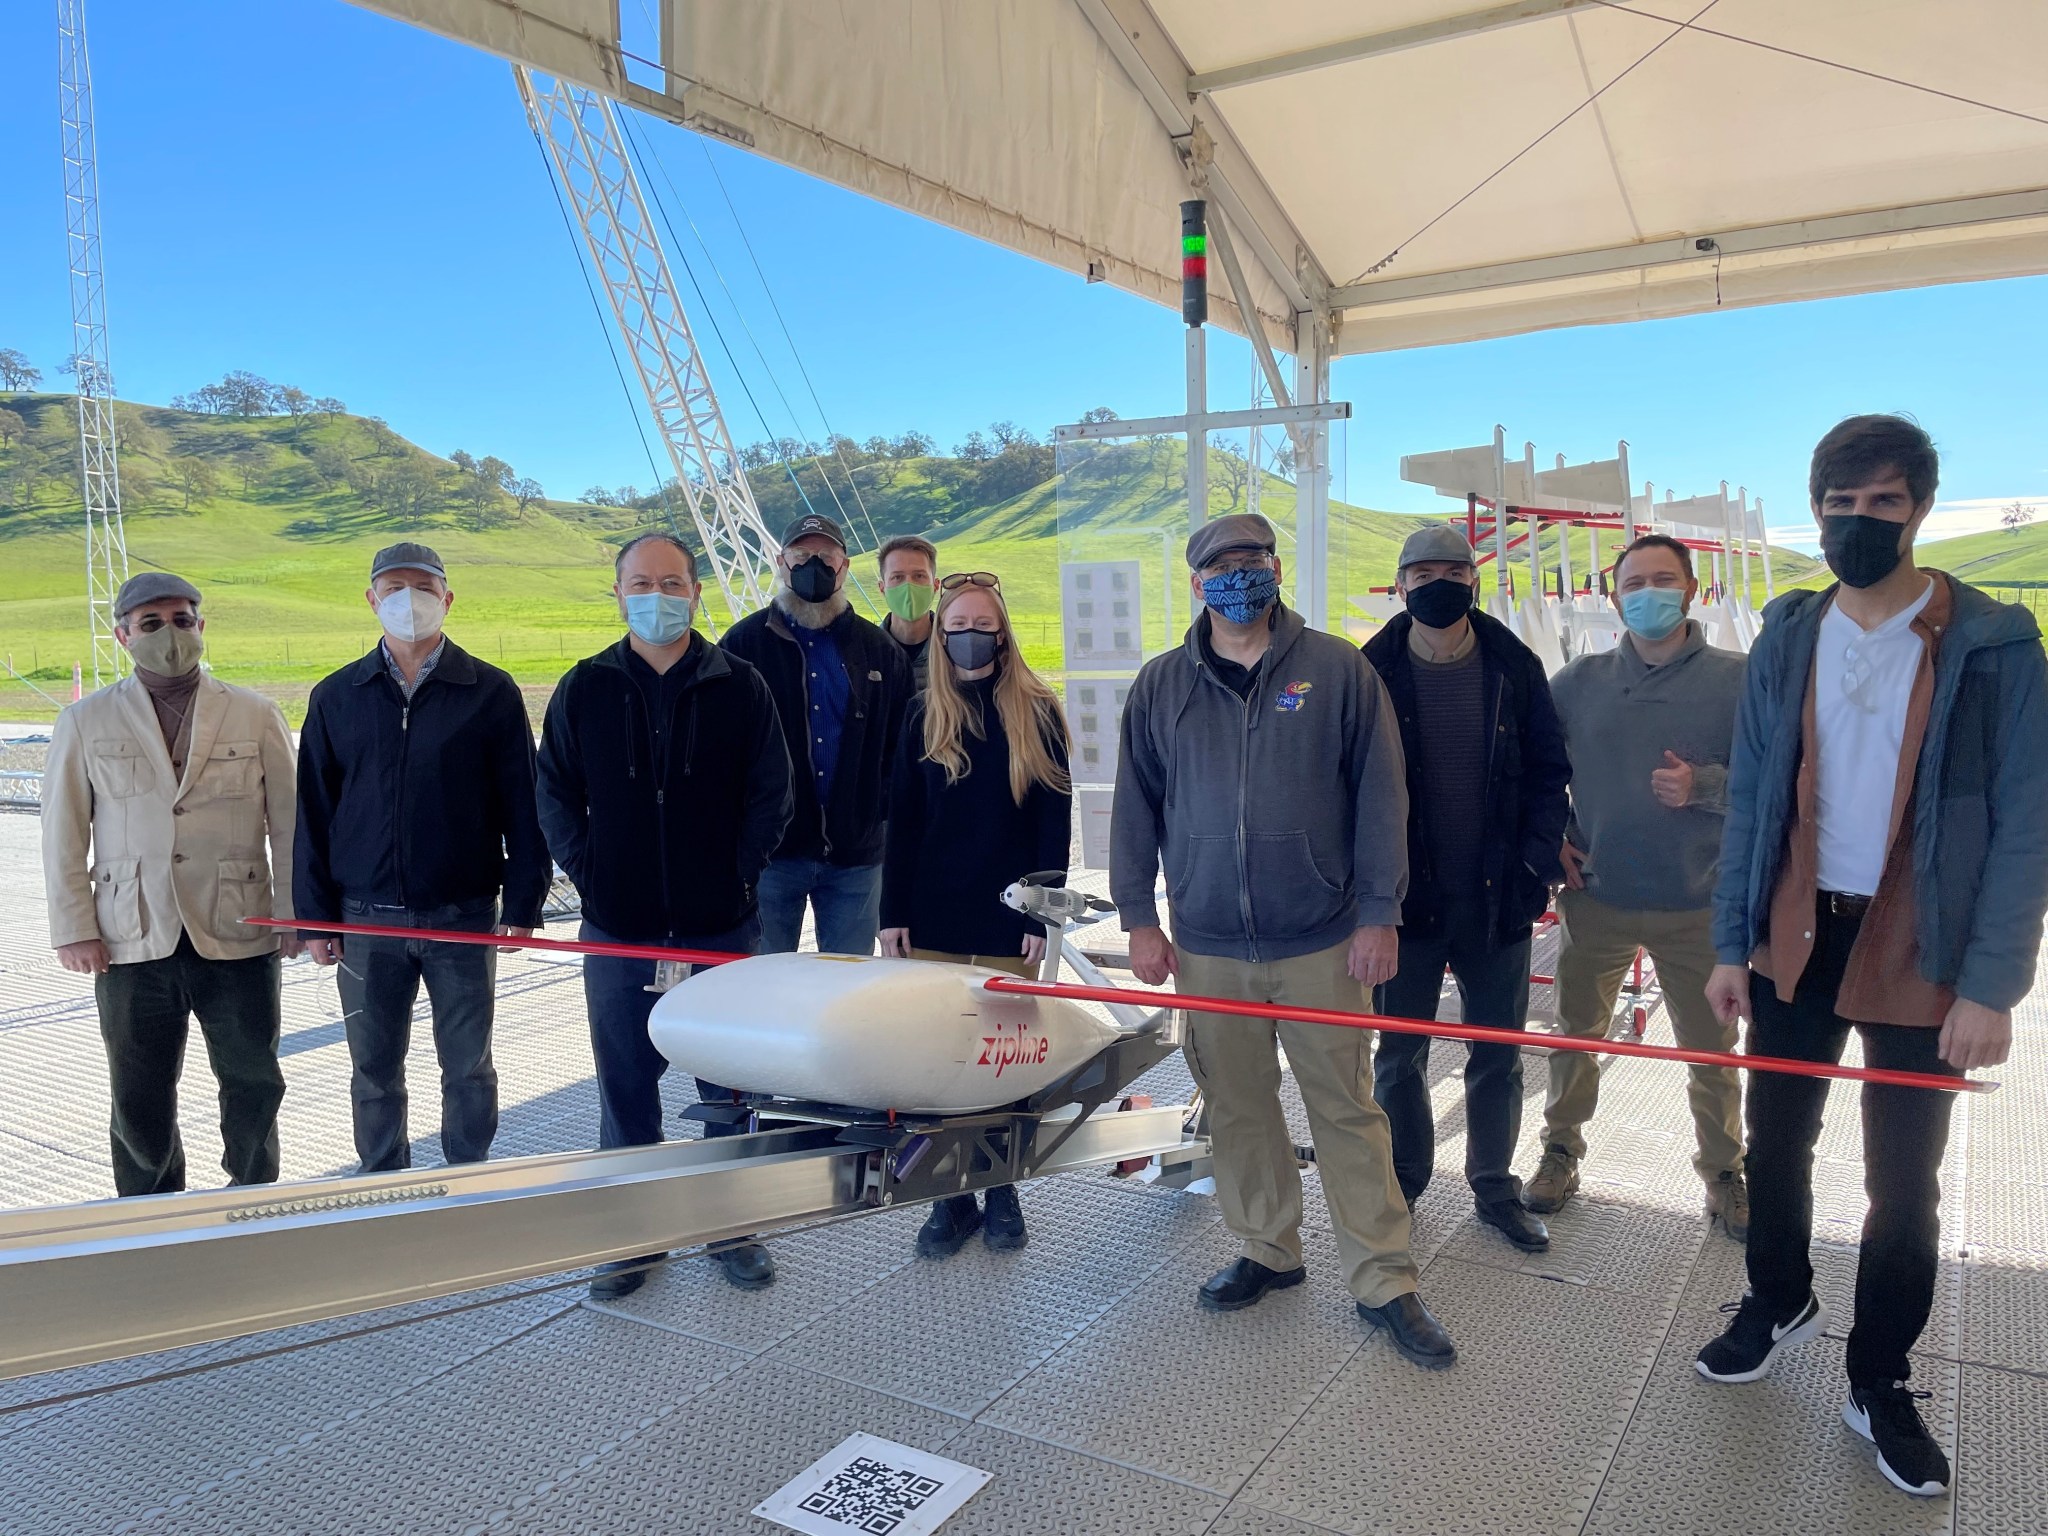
1217 163
1377 44
1799 234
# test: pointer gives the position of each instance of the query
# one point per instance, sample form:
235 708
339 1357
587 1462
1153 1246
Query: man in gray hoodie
1649 726
1261 760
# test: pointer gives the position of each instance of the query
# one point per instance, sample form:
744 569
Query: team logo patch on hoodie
1292 697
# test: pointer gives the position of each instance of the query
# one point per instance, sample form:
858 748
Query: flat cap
152 587
1439 541
813 523
1221 535
407 556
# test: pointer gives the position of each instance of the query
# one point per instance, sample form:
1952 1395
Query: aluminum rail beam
1958 213
1213 421
114 1278
1379 44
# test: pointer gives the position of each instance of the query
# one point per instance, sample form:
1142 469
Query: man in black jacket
1487 773
663 787
416 811
841 687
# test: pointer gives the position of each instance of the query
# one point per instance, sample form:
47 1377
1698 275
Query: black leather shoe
1511 1221
747 1265
622 1277
1005 1219
1241 1284
1414 1331
953 1220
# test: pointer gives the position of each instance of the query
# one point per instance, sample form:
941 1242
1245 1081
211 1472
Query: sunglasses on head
961 579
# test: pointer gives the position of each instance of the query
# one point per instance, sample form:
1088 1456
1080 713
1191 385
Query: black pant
1493 989
629 1068
379 981
1905 1132
145 1015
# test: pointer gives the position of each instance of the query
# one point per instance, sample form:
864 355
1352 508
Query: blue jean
629 1068
1493 989
846 899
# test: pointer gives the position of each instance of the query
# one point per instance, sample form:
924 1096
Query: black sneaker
1752 1342
953 1220
1906 1454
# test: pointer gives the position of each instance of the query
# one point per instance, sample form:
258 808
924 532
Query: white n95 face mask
410 614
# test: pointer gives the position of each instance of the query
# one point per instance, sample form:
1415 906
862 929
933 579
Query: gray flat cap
1439 541
407 557
1221 535
153 587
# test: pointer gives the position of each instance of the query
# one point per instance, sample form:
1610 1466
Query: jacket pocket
1205 895
117 899
244 892
121 768
1289 892
229 772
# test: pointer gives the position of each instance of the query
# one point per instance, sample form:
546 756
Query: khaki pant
1600 944
1257 1181
1016 965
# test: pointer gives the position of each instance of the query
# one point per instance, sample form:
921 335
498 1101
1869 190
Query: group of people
1848 831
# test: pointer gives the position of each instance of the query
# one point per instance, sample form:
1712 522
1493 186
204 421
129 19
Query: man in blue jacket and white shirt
1885 869
1261 761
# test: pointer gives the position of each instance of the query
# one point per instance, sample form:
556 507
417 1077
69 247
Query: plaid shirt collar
426 667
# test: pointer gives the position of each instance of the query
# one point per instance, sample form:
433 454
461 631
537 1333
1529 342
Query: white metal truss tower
582 138
106 546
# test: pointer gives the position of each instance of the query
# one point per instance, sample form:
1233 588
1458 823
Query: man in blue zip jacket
416 811
663 787
1884 869
1258 762
1487 773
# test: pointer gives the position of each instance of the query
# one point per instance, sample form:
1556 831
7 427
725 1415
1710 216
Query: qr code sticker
867 1486
871 1496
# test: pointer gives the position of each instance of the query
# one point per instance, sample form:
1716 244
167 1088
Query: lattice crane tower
582 138
106 546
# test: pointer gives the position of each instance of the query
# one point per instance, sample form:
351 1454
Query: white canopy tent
1424 171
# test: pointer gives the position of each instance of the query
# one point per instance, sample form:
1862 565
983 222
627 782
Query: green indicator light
1194 245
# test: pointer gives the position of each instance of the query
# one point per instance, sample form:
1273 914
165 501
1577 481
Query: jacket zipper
404 755
1244 881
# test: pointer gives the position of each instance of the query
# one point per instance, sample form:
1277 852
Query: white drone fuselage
918 1036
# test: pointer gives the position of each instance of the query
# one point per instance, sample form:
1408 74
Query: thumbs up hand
1672 784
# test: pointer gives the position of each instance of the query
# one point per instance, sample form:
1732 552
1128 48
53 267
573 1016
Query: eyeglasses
960 579
1858 672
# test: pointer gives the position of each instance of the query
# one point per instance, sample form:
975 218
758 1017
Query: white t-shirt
1863 681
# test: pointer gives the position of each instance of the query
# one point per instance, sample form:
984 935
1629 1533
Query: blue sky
335 200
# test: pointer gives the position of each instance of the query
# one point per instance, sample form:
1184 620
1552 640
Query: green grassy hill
1993 559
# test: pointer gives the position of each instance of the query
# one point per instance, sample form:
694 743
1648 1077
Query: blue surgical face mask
1653 612
1241 596
656 617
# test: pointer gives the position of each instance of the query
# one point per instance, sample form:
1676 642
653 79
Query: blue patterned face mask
1240 596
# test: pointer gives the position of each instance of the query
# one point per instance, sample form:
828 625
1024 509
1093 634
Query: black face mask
972 649
813 580
1441 603
1861 550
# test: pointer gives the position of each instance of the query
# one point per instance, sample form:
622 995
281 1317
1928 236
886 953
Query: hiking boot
1242 1282
1907 1455
953 1220
1752 1341
1004 1219
1556 1181
1728 1203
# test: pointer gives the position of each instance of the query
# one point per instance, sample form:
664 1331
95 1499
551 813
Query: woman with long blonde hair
980 797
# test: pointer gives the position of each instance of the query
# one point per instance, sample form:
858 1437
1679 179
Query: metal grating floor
1078 1371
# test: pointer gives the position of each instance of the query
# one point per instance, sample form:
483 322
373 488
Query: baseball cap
152 587
1221 535
813 523
407 556
1439 541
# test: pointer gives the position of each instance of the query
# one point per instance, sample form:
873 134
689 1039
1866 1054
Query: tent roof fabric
1431 170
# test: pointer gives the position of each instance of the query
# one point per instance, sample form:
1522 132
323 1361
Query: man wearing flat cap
841 688
166 807
416 810
1261 765
1487 773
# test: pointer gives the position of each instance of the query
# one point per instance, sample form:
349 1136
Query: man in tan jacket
168 800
